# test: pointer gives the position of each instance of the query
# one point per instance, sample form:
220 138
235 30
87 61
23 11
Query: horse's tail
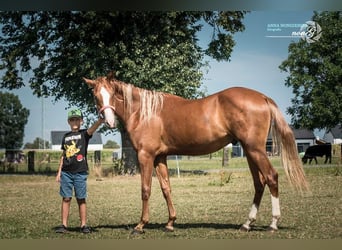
284 139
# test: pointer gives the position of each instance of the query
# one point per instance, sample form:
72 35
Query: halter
105 107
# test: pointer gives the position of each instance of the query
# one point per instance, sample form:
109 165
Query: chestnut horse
161 124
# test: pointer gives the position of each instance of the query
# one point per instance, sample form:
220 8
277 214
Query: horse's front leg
164 181
146 168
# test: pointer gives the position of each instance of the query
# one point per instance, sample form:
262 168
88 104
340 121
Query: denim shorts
73 181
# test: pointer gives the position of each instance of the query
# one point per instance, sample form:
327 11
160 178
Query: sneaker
61 229
85 229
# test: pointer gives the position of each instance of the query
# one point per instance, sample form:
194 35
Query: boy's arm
58 177
93 128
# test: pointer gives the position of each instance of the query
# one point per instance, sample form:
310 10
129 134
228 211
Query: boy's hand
93 128
58 177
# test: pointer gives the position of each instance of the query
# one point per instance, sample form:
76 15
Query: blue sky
256 57
254 64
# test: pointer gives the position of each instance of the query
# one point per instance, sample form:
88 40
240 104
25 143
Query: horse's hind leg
163 177
263 173
259 187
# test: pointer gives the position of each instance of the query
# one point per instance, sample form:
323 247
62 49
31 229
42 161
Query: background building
95 142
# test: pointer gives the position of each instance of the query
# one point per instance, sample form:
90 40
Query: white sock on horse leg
275 212
251 217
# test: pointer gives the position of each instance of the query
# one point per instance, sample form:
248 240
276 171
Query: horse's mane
151 102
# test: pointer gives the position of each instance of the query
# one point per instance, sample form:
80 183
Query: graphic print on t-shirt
74 145
71 150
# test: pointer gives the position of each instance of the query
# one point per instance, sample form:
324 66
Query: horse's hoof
272 229
137 232
243 228
168 229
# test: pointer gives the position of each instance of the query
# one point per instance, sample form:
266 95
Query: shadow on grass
184 226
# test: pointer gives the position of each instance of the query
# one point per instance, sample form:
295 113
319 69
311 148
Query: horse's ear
111 76
91 83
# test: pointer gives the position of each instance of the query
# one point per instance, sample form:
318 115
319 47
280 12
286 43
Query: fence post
225 156
97 156
30 161
97 165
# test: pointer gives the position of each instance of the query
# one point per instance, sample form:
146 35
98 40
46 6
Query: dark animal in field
161 124
317 150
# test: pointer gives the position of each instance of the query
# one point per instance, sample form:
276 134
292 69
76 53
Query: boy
73 169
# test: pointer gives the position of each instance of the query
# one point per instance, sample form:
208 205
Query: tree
38 143
111 144
153 50
315 75
13 118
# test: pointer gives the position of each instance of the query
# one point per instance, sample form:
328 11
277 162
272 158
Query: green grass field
210 205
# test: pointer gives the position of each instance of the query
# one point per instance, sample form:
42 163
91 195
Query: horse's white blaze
108 113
